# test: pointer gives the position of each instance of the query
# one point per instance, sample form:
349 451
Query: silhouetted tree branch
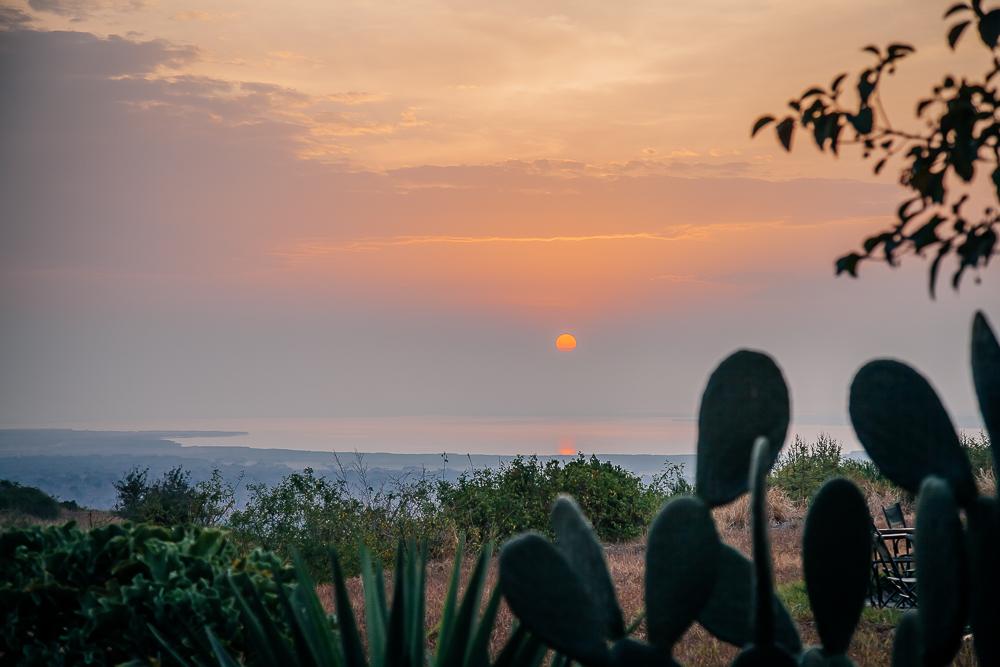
961 137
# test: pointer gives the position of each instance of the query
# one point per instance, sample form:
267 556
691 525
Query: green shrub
309 514
804 466
173 500
27 500
977 450
497 503
72 597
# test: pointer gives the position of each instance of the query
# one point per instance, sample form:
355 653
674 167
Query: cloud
319 248
42 57
144 212
12 18
80 9
195 15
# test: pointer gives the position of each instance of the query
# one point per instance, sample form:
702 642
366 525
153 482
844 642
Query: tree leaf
936 264
746 397
956 33
836 557
906 431
956 8
836 83
863 121
784 132
989 28
761 123
576 541
848 264
682 556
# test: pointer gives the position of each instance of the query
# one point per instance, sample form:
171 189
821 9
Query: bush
804 467
173 500
307 514
27 500
977 449
497 503
73 597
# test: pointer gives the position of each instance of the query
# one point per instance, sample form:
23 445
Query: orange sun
565 342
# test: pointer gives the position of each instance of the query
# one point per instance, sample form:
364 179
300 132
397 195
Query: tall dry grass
986 481
871 646
780 509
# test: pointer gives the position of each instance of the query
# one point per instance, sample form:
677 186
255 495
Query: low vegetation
72 597
27 500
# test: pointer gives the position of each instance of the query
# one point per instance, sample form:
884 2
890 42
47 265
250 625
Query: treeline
17 500
306 513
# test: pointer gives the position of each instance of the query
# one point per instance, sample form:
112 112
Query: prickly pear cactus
906 431
836 557
746 398
563 594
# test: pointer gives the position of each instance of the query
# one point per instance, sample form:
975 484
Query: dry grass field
871 645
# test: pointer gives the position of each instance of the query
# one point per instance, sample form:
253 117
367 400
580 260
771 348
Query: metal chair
894 576
894 517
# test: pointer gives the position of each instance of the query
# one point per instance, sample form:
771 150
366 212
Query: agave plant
395 634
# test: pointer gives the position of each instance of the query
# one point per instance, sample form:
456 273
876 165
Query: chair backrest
884 559
894 517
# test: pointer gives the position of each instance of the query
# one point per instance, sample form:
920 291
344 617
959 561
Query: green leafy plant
394 627
804 467
960 137
174 499
71 597
306 514
498 503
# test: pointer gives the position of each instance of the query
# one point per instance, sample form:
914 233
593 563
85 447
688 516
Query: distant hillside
83 465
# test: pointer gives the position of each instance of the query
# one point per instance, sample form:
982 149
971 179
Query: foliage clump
307 514
28 500
70 597
173 499
498 503
956 145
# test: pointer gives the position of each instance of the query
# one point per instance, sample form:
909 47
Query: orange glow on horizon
566 342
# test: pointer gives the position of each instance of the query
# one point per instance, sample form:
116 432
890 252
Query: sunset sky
335 208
